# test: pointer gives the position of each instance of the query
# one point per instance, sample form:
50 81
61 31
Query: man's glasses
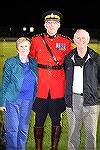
52 22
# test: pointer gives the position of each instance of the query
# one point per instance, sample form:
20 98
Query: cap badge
52 15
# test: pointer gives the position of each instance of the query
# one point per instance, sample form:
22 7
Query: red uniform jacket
53 80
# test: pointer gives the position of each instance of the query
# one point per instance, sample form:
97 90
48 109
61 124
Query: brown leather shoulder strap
53 56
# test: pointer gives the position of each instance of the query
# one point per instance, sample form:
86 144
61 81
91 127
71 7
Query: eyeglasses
52 22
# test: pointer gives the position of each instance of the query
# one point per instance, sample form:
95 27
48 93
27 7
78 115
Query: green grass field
8 49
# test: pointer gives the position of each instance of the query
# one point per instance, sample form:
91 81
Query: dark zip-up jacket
91 82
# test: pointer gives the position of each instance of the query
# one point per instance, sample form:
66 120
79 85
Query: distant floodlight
10 29
31 29
24 28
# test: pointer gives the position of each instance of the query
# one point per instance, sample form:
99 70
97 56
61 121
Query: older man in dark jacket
82 68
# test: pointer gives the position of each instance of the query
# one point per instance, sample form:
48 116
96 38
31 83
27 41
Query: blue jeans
17 121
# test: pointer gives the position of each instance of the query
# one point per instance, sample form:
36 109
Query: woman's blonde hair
22 39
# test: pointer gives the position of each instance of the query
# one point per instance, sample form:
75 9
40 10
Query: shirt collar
51 36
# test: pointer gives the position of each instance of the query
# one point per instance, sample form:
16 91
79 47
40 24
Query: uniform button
40 50
49 71
51 39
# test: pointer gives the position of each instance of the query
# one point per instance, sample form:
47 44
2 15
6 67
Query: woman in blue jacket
19 86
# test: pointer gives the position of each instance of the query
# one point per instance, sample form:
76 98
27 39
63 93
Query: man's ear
45 25
73 40
88 39
58 25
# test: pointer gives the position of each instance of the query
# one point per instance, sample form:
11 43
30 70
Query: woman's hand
2 108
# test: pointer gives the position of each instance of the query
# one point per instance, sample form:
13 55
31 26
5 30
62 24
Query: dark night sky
76 14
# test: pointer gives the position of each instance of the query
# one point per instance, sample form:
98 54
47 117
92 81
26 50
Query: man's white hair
85 32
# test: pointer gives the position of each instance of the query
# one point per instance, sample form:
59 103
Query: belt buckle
49 67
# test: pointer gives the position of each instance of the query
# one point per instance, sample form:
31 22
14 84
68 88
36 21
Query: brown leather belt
49 67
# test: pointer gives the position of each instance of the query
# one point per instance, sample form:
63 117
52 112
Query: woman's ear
17 51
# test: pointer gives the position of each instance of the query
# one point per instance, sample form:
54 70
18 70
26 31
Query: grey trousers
88 115
98 111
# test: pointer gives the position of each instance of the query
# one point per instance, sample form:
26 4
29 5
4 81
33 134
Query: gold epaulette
35 35
65 37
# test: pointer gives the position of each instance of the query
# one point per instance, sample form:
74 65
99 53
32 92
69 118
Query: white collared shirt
78 77
78 80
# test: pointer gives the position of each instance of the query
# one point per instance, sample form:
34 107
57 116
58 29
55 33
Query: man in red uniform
50 49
